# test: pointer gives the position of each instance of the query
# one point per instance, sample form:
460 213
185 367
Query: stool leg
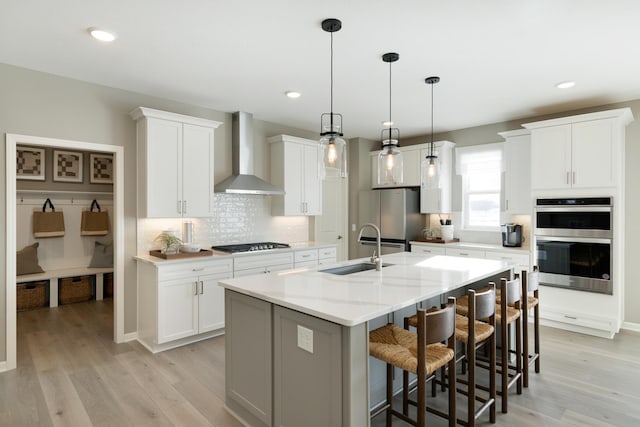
405 392
519 355
492 378
525 346
504 364
452 392
471 387
536 335
389 393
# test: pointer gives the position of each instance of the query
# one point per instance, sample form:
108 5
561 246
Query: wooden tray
436 240
203 252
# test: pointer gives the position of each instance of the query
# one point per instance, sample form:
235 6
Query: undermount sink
353 268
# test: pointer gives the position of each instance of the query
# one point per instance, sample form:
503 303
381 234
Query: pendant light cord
390 120
431 120
331 82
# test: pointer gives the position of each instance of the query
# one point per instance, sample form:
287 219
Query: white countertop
352 299
220 255
472 245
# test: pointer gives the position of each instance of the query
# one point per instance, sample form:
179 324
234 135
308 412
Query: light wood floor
70 373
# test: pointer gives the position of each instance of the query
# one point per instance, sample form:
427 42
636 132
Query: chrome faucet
377 260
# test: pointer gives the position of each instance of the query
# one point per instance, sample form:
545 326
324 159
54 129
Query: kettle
511 235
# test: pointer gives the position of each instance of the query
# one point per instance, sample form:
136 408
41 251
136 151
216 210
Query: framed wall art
67 166
30 163
101 170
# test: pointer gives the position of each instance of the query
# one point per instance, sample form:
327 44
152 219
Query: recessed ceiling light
102 35
292 94
387 123
565 85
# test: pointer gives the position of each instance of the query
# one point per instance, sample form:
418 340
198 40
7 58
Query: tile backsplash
236 219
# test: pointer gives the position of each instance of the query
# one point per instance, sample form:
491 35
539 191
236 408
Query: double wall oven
573 243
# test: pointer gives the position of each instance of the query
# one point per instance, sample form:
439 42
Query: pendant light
430 166
332 148
390 158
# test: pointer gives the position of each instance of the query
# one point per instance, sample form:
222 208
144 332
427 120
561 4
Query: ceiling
498 59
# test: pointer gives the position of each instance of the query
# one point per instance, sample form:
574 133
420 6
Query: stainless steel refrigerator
396 211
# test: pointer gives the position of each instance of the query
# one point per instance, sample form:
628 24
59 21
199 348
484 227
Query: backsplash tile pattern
236 219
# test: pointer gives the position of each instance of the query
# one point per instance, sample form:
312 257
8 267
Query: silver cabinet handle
196 290
306 256
570 317
507 203
201 287
463 254
179 206
197 269
574 177
567 177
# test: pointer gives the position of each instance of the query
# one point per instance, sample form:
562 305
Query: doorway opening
12 141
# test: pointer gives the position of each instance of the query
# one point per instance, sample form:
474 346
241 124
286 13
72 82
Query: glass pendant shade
390 164
430 172
332 153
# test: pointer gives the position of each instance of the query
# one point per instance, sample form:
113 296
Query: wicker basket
31 295
108 285
75 289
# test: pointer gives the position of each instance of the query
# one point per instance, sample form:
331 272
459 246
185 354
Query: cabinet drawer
306 255
325 253
470 253
304 264
244 262
218 267
427 249
517 259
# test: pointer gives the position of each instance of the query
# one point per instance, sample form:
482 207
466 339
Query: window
480 167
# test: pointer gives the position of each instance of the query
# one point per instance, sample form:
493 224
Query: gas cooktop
250 247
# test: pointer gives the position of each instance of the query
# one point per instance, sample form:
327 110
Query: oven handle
573 233
574 209
572 239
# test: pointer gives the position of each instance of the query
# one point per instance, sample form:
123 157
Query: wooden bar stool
421 353
530 284
480 305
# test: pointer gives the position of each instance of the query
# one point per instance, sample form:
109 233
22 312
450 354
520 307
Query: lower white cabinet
180 301
327 256
427 250
246 265
468 253
520 260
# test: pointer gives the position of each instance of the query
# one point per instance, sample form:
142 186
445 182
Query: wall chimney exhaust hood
243 181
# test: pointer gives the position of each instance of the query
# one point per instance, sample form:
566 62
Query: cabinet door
294 179
164 168
177 309
411 160
517 177
592 154
197 171
427 249
551 157
438 200
211 302
312 183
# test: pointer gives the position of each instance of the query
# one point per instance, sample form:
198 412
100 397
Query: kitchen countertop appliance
396 211
511 235
250 247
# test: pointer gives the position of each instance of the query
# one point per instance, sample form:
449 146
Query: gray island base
297 341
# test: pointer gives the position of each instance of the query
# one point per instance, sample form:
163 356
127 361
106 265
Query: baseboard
3 366
132 336
631 326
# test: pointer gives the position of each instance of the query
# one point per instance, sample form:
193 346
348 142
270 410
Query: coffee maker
511 235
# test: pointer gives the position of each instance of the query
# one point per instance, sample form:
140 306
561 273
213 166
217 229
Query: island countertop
356 298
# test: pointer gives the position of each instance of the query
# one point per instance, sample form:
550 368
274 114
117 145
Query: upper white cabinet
585 151
434 201
517 175
175 164
294 167
410 167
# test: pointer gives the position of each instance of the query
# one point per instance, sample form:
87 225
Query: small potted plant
170 243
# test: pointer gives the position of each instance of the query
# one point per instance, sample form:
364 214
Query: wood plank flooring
70 373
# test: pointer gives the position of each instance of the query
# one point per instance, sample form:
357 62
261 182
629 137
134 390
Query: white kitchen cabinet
246 265
433 201
175 164
410 167
517 175
181 302
328 255
465 253
518 257
294 167
424 249
305 258
578 152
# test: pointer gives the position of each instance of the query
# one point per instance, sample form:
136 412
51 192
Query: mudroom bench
53 275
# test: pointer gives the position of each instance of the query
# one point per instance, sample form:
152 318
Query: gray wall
489 133
39 104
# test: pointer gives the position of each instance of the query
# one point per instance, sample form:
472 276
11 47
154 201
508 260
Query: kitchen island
297 341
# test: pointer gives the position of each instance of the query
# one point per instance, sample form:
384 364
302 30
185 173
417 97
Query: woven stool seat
398 347
483 330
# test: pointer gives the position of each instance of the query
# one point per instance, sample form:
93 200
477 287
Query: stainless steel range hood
243 181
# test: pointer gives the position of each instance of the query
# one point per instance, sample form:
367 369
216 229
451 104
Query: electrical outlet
353 227
305 339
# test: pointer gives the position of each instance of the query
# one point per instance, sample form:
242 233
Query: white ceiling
498 59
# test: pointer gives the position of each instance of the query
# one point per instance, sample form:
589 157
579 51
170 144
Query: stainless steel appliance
573 243
250 247
396 211
511 235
